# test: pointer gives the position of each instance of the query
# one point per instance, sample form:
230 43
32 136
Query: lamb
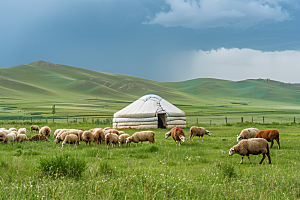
38 137
71 139
98 135
22 131
177 135
269 135
253 146
87 136
247 133
123 137
34 128
112 138
198 131
141 136
2 136
21 138
45 131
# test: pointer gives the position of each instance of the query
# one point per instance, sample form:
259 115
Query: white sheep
253 146
2 136
71 139
10 137
46 131
141 136
12 129
123 137
21 138
247 133
198 131
112 138
22 131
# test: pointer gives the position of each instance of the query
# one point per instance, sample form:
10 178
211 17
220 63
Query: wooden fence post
210 122
263 119
197 121
252 119
67 118
294 120
242 119
226 120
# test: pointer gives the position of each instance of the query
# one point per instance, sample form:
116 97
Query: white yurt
149 111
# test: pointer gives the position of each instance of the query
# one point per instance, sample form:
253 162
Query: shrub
62 166
228 170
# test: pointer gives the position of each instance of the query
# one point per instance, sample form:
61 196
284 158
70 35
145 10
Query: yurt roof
149 106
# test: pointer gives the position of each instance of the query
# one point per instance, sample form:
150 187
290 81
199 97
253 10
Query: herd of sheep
250 140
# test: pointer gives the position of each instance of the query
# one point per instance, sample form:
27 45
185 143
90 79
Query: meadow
194 170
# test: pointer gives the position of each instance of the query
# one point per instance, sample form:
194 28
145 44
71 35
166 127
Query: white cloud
219 13
238 64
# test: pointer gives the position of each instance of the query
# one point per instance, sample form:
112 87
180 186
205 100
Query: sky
161 40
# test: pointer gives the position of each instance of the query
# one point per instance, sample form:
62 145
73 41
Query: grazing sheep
38 137
198 131
177 135
22 131
123 137
10 137
71 139
269 135
106 128
111 131
62 136
45 131
34 128
253 146
21 138
141 136
56 132
2 136
247 133
112 138
87 137
168 134
98 135
12 129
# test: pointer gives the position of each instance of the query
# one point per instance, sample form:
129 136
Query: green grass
194 170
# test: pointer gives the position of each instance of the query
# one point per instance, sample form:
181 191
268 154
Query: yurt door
162 121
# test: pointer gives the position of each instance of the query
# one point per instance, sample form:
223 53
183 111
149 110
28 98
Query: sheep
177 135
269 135
111 131
2 136
247 133
22 131
123 137
63 135
21 138
56 132
98 135
106 128
38 137
45 131
112 138
141 136
12 129
71 139
168 134
34 128
253 146
87 136
10 137
198 131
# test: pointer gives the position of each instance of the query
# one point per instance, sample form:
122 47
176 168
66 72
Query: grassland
194 170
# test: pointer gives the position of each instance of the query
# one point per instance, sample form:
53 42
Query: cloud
219 13
240 64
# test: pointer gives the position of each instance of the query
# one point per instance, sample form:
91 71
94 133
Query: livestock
111 131
141 136
34 128
2 136
177 135
10 137
71 139
123 137
12 129
269 135
98 135
253 146
21 138
247 133
87 137
198 131
168 134
63 135
38 137
22 131
46 131
112 138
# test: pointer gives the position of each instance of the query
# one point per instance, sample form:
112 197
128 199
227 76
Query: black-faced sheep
141 136
198 131
38 137
87 137
253 146
269 135
71 139
46 131
177 135
247 133
112 138
21 138
123 137
34 128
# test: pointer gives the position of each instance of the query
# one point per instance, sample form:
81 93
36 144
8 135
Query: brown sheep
112 138
38 137
198 131
111 131
141 136
177 135
87 137
45 131
98 135
269 135
253 146
34 128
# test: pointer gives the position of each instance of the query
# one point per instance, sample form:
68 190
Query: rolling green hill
32 89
